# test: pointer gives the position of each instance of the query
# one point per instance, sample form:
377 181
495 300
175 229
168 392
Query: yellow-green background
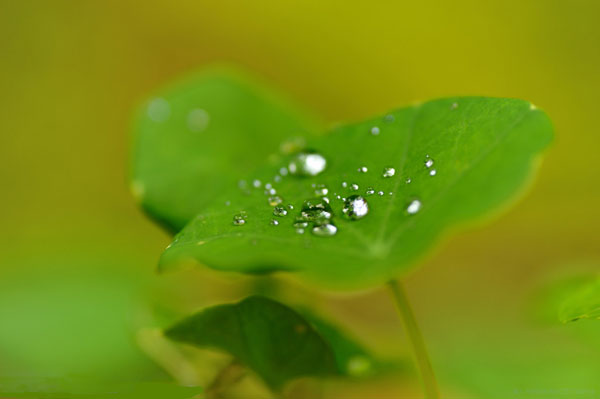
77 257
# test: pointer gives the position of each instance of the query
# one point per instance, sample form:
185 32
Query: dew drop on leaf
321 190
307 163
274 222
388 172
279 211
375 130
355 207
413 207
363 169
239 219
275 200
354 187
380 193
256 183
432 172
324 230
428 162
370 191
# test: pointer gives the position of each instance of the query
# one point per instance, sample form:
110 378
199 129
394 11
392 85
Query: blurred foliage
73 72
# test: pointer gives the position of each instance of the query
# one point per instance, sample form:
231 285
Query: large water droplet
324 230
307 163
197 120
388 172
355 207
413 207
279 211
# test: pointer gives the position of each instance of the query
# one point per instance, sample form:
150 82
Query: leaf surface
268 337
483 151
194 138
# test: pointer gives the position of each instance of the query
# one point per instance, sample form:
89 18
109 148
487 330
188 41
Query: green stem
416 340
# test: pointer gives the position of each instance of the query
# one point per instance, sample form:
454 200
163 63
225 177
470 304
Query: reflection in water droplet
197 120
363 169
354 187
274 222
275 200
321 190
324 230
279 211
159 110
355 207
388 172
307 163
370 191
375 131
413 207
432 172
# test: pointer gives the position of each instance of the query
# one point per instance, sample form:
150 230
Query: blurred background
77 257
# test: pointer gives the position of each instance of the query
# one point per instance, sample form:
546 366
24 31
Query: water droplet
279 211
256 183
354 187
283 171
301 224
428 162
454 106
270 191
413 207
324 230
239 219
159 110
388 172
321 190
363 169
391 193
268 186
344 184
197 120
315 210
370 191
358 365
275 200
307 163
432 172
290 207
274 222
355 207
375 131
380 193
277 179
408 180
389 118
300 231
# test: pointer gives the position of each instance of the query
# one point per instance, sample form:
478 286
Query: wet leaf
454 161
194 138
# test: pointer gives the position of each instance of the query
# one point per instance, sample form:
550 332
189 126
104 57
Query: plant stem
416 340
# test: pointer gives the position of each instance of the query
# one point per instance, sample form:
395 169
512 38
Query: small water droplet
307 163
354 187
197 120
290 207
277 179
275 200
432 172
274 222
428 162
279 211
324 230
375 131
268 186
370 191
391 193
408 180
321 190
270 191
388 172
159 110
380 193
454 106
344 184
363 169
355 207
301 224
239 219
389 118
413 207
300 231
227 203
256 183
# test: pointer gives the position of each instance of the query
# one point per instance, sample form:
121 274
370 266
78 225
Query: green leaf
194 138
266 336
484 151
575 298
